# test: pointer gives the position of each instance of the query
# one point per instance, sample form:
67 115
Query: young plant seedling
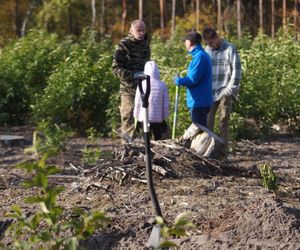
268 177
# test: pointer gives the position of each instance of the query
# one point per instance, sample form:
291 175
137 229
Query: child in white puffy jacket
158 102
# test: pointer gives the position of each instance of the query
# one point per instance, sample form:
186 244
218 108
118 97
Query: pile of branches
169 160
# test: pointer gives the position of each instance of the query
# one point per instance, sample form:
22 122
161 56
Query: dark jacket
130 57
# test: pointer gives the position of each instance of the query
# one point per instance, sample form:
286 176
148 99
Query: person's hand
227 92
139 76
175 77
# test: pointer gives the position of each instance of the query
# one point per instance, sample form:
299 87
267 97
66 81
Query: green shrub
78 91
177 229
49 227
90 155
24 67
268 177
269 92
242 128
113 114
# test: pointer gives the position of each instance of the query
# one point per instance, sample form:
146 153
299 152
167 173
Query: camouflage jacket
130 57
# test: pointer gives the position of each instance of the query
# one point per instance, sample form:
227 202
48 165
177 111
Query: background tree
184 6
220 25
284 14
93 7
239 27
296 14
102 17
173 16
17 18
162 7
66 17
124 14
261 16
141 9
32 5
197 14
273 19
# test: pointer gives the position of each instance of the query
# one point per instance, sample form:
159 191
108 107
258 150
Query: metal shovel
155 238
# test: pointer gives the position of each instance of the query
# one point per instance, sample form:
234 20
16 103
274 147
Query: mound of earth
263 224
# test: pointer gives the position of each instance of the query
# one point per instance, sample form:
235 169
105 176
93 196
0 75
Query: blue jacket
198 80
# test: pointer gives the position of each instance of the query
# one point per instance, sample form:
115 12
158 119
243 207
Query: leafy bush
242 128
57 81
178 229
269 92
79 89
90 155
112 114
48 226
24 67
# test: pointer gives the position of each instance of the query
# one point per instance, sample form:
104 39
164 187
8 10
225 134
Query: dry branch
159 169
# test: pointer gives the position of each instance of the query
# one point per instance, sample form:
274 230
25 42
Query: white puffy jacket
158 99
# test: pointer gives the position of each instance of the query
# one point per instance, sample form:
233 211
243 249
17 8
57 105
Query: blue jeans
199 115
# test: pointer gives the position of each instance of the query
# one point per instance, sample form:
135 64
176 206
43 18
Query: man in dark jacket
130 57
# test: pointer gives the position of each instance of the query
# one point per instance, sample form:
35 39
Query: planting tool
175 112
154 240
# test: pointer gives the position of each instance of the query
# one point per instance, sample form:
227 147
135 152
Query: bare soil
226 201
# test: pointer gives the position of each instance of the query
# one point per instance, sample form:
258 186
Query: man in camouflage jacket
130 57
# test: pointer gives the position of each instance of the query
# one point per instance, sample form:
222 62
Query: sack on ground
206 144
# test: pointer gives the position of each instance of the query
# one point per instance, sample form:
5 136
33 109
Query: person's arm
236 73
194 74
120 60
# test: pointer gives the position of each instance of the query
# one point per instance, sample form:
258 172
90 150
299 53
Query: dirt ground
226 201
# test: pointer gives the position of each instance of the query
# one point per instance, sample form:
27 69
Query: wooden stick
160 143
159 169
204 160
160 155
76 168
139 180
58 176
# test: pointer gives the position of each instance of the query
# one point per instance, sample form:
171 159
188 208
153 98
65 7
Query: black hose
149 176
145 101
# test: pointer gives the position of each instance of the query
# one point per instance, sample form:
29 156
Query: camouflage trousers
127 120
224 105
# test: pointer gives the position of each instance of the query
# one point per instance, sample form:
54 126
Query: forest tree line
163 17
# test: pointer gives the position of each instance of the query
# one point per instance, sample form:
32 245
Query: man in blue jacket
198 81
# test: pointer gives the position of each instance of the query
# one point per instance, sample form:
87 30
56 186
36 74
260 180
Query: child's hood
151 69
